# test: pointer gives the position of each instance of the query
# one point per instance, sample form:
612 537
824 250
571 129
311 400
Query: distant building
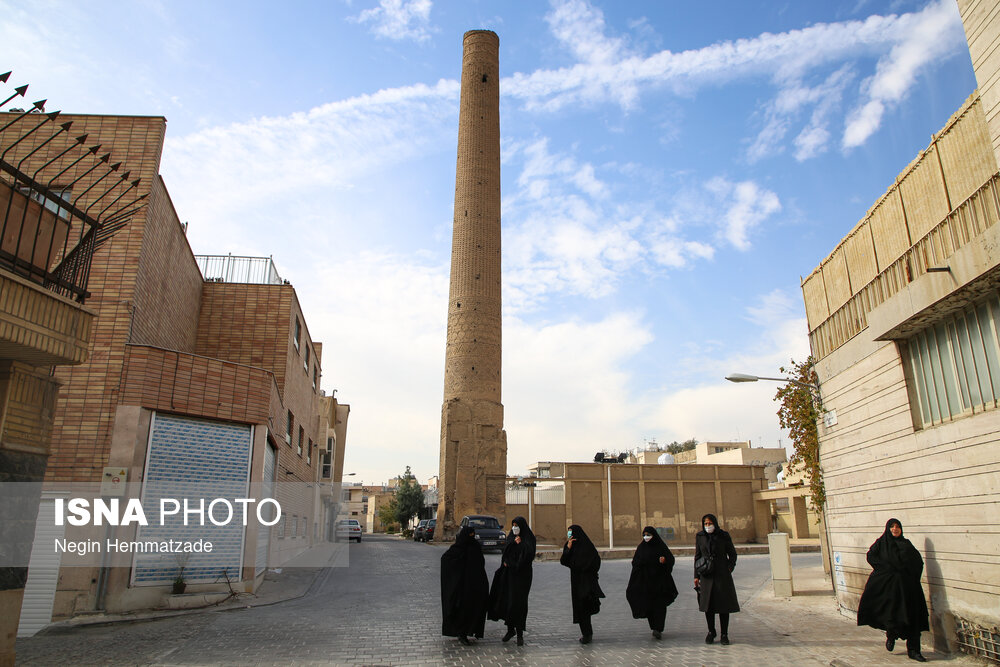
736 453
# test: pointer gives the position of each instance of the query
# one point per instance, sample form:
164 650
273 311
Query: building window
953 366
302 435
305 362
61 192
315 377
289 428
282 527
298 332
309 452
295 525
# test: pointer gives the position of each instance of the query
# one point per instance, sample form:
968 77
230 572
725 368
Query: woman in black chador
465 589
512 581
651 587
893 599
714 561
580 556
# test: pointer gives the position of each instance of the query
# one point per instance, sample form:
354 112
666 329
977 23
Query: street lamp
743 377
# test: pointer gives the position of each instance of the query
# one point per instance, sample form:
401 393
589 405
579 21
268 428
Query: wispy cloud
399 19
607 71
923 38
746 206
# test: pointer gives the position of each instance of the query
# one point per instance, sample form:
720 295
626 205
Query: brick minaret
473 442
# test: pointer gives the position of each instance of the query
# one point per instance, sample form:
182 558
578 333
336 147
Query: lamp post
743 377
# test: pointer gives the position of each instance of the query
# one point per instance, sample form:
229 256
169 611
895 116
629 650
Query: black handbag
704 566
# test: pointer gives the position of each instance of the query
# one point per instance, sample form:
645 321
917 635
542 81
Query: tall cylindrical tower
473 442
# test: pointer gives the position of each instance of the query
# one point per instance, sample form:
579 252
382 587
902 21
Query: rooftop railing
239 269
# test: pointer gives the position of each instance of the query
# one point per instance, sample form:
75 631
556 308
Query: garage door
43 572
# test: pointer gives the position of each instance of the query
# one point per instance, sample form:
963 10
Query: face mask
647 538
516 530
569 533
709 529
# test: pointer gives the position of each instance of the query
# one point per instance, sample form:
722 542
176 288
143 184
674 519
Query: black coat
718 592
512 580
651 586
464 587
583 562
893 599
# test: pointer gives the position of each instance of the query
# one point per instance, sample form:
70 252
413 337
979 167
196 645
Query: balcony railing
237 269
54 219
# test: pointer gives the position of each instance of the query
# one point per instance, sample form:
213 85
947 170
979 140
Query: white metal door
267 491
43 572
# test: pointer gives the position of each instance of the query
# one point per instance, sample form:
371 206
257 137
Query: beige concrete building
772 459
904 317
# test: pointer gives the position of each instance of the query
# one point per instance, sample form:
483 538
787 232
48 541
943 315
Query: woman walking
581 557
893 599
651 586
512 581
465 589
714 561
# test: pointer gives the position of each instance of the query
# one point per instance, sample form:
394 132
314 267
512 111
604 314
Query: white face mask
647 538
709 529
516 530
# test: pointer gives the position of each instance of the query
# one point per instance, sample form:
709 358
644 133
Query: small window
309 452
302 435
298 333
290 428
305 362
315 377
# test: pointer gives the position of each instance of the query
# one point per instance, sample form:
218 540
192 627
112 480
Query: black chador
893 599
512 580
464 588
651 587
580 556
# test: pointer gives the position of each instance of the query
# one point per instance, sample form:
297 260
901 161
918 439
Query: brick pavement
384 610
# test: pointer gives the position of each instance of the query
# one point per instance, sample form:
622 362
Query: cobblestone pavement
384 610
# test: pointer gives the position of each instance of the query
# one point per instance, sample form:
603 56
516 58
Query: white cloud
746 206
330 149
791 100
399 19
924 38
565 391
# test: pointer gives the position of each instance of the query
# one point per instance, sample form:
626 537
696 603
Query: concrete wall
665 496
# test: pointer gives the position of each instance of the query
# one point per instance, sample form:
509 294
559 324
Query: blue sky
670 171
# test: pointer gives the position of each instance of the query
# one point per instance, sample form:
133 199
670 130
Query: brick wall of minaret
472 366
473 443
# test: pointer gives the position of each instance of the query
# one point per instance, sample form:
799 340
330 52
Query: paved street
384 610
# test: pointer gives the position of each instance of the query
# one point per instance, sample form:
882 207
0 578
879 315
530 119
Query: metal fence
62 199
238 269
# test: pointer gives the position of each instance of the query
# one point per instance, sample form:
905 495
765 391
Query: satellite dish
665 459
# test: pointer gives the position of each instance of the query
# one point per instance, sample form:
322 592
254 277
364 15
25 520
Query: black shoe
710 637
462 639
890 643
725 640
510 633
586 639
657 634
916 655
520 638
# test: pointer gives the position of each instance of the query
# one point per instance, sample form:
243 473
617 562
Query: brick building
200 375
